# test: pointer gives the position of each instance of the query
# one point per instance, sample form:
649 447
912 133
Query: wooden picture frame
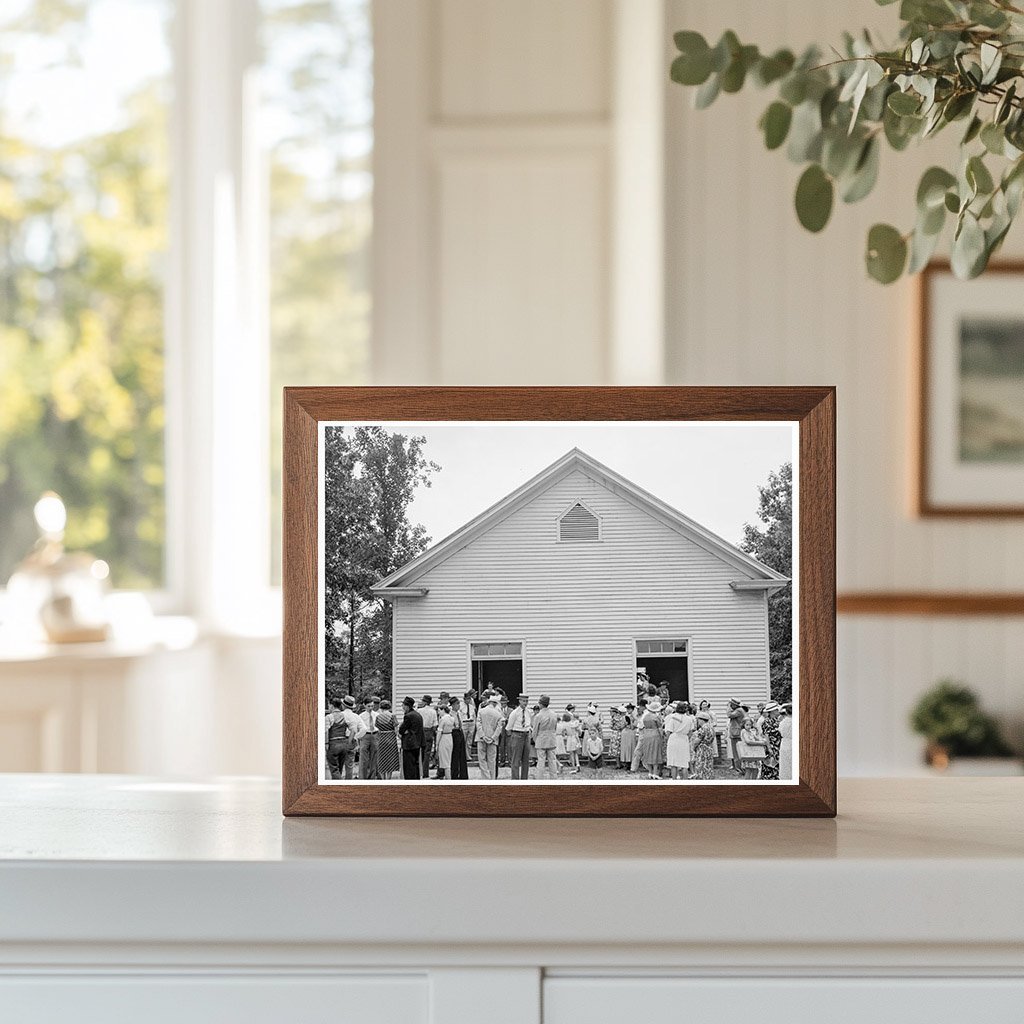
930 377
811 409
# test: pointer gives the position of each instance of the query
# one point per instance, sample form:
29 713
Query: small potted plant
950 717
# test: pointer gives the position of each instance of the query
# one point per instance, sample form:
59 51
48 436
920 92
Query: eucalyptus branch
955 61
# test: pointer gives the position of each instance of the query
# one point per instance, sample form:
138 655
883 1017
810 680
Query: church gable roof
752 573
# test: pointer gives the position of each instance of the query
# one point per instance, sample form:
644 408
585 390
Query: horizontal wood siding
578 606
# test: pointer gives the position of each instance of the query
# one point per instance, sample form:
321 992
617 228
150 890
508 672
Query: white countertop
123 859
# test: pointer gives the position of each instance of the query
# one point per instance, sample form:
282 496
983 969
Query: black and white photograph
558 602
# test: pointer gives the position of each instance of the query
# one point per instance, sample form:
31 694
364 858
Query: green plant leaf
771 69
814 194
993 138
904 103
973 129
794 89
865 173
931 191
952 202
725 49
886 253
968 255
978 176
922 247
805 133
735 74
693 65
707 93
775 124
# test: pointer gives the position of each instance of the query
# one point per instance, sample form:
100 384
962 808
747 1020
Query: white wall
754 299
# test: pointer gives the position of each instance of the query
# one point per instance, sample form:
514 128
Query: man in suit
543 731
342 731
411 733
505 711
368 741
518 726
736 716
429 716
489 724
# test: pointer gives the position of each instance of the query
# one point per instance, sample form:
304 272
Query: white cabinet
787 1000
202 999
128 899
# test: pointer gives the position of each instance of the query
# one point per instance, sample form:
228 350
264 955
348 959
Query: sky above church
708 471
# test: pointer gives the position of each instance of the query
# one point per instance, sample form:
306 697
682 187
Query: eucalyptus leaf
814 195
968 248
978 176
707 93
775 124
771 69
922 248
904 103
805 133
993 138
886 253
865 173
931 190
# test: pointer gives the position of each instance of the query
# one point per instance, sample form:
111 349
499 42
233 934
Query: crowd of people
653 737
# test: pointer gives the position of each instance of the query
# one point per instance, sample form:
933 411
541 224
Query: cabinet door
569 1000
205 999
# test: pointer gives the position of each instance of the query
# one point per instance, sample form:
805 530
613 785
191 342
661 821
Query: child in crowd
594 749
567 741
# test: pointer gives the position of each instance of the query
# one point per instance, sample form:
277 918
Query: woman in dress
445 727
650 738
750 748
460 767
773 741
387 741
702 745
627 738
678 727
618 724
786 747
705 705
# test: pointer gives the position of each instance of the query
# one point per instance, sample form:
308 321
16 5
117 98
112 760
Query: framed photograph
559 601
970 451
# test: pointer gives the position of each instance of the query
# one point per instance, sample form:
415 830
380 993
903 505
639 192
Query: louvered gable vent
578 523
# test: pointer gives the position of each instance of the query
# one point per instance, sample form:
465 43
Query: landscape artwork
558 602
991 389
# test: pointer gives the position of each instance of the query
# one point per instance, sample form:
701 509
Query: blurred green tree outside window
317 120
83 237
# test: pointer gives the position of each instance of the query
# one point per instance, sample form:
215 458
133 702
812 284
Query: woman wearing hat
445 728
702 743
786 747
627 737
618 724
773 741
678 726
650 738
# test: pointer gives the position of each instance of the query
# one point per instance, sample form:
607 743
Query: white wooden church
570 586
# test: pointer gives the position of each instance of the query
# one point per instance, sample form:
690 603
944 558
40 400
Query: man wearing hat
489 722
545 722
736 716
342 731
411 734
503 739
519 726
429 716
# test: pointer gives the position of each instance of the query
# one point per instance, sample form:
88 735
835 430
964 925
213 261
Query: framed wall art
559 601
970 444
